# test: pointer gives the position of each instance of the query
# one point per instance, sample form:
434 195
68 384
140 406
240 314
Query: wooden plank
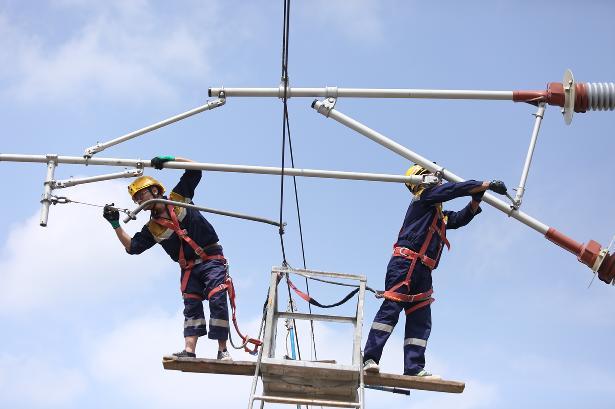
302 387
414 382
204 365
307 369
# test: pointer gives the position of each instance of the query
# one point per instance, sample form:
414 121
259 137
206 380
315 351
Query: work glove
112 215
158 161
478 196
498 187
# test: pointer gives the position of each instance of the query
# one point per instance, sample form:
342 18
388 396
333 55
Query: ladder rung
316 317
315 402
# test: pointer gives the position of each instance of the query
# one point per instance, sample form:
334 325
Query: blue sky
85 325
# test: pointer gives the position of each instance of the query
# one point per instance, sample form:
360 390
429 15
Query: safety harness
187 265
423 298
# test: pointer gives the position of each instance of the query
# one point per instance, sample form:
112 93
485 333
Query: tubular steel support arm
99 147
132 215
60 184
530 152
138 163
589 254
570 96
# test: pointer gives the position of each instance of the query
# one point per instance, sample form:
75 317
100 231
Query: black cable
285 38
307 285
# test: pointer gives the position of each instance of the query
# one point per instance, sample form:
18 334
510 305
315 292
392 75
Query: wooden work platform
214 366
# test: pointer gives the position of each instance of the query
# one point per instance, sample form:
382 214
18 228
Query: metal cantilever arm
60 184
327 174
99 147
591 254
132 215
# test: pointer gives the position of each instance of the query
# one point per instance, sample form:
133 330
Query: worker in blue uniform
189 239
408 284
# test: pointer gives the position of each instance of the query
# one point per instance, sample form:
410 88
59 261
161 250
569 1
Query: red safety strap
421 256
186 266
419 305
298 291
230 288
409 254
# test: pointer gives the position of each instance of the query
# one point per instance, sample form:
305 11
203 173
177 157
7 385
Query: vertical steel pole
52 161
530 152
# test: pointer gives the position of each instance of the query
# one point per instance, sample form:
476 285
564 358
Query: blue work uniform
412 235
205 275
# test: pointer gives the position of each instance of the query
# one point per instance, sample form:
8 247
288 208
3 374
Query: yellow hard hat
143 182
415 170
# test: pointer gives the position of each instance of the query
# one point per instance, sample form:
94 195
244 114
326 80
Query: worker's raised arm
188 181
453 190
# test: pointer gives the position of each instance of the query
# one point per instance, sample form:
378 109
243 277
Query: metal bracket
218 102
59 200
603 253
431 180
92 150
331 92
569 95
326 106
281 89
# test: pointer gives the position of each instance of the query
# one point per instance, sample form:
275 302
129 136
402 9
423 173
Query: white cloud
359 19
562 375
121 49
76 257
128 362
34 382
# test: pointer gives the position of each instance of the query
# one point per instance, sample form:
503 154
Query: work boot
371 366
224 356
427 375
184 354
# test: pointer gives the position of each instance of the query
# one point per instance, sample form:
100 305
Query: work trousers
418 323
205 277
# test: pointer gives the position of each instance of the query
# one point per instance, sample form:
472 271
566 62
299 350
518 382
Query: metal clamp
281 89
92 150
331 92
218 102
325 106
431 180
54 200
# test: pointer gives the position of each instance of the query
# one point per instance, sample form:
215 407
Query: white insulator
601 96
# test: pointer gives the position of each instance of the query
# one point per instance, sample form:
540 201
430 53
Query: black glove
158 161
478 196
498 187
112 215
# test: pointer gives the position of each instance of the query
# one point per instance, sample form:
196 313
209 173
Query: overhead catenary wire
284 79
